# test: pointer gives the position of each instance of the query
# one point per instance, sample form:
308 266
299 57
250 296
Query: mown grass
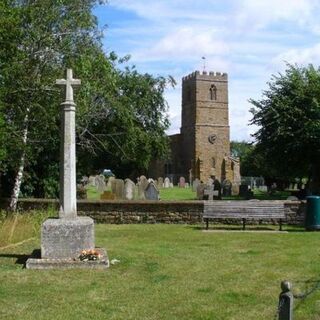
168 272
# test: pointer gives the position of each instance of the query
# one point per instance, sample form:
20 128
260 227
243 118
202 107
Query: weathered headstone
113 184
187 185
292 198
142 185
209 193
182 182
190 176
63 239
107 195
263 188
200 191
160 182
110 179
151 192
171 185
119 189
210 182
91 180
129 189
166 182
195 184
143 182
100 183
84 180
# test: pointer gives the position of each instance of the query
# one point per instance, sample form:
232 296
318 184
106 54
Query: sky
249 39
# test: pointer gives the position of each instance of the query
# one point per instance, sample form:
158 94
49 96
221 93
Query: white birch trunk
19 175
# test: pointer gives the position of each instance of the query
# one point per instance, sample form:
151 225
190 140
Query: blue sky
248 39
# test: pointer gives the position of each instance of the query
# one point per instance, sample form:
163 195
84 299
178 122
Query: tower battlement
211 75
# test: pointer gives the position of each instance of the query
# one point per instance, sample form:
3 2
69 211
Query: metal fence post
285 307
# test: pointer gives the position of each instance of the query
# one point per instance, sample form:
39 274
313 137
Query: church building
202 149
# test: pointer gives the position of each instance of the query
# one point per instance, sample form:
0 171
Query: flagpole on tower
204 63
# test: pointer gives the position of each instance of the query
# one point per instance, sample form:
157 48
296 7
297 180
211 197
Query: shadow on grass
286 228
22 258
235 227
310 286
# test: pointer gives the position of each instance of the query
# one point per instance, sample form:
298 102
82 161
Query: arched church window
213 92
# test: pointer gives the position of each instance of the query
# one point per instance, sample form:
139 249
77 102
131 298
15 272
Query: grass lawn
165 272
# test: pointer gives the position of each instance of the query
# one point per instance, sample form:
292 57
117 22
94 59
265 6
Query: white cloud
302 56
260 13
187 42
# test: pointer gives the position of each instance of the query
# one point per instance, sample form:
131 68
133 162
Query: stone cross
68 193
69 83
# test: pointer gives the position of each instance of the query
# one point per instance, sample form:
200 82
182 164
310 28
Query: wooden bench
245 210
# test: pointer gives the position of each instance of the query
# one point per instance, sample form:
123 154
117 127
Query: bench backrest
243 209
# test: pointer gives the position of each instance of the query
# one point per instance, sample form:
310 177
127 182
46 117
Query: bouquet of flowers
89 255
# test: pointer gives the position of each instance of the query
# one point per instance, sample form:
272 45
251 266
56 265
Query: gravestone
210 182
200 191
63 239
187 185
151 192
91 180
226 188
107 195
171 185
84 180
129 189
166 183
142 185
113 186
263 188
190 176
292 198
119 189
160 183
143 182
195 184
209 193
110 179
100 183
182 182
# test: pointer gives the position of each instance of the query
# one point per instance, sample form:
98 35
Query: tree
121 114
289 121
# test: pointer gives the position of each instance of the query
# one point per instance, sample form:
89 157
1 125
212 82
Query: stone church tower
202 149
205 124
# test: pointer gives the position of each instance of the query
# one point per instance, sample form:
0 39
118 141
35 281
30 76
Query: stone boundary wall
117 212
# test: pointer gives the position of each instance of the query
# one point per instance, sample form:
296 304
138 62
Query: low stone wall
189 212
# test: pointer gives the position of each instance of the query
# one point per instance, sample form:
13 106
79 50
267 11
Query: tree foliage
288 117
121 114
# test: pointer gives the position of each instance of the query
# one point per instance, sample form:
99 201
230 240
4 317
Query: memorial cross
68 192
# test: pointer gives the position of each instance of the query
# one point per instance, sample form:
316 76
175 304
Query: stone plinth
66 238
41 264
